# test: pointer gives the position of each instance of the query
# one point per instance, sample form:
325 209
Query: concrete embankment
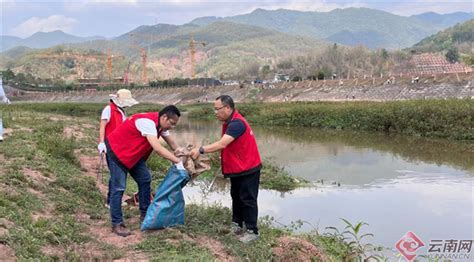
370 89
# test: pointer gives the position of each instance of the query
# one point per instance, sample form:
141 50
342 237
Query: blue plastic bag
167 208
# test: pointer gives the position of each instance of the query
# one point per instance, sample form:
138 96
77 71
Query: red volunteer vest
127 143
242 154
115 120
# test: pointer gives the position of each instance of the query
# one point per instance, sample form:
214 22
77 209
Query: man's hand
162 151
102 148
194 153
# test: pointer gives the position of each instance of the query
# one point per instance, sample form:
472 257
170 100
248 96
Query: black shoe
121 230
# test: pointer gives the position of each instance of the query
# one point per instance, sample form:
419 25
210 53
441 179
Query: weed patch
450 119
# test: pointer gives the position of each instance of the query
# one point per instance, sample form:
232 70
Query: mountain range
221 47
228 45
43 40
350 26
446 20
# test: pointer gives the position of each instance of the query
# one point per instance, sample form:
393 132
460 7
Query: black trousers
244 193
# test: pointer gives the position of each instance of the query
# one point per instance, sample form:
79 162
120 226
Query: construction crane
143 52
109 64
144 56
77 56
152 38
192 54
126 80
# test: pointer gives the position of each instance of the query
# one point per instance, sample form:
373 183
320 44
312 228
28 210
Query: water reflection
391 208
350 158
394 183
412 149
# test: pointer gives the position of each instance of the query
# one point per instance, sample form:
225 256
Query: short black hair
226 101
170 111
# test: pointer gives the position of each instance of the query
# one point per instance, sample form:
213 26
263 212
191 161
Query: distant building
230 83
280 78
428 64
88 83
205 82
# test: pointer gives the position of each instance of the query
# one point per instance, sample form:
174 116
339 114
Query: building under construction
430 64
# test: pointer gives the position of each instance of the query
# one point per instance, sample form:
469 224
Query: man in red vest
240 161
112 116
128 148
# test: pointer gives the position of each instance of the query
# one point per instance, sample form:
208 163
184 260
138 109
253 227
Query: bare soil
216 248
102 231
297 249
6 253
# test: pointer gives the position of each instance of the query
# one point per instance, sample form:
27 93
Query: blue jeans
118 183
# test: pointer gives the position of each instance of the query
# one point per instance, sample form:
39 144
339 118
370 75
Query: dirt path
6 253
216 248
102 232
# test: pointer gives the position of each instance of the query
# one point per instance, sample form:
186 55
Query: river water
394 183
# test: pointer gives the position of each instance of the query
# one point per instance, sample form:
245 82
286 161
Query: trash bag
194 166
167 208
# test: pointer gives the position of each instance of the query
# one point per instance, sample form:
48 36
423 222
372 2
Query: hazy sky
111 18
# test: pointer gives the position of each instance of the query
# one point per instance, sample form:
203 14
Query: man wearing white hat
112 116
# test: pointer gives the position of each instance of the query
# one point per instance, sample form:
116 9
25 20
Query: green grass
451 119
46 151
170 244
49 139
71 109
276 178
41 212
213 222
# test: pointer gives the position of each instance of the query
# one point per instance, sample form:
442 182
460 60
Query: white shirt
3 96
106 114
147 127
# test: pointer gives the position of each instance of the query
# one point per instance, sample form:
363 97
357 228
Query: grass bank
52 209
451 119
72 109
273 177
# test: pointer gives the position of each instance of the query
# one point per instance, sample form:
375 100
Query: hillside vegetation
250 46
459 37
350 26
228 47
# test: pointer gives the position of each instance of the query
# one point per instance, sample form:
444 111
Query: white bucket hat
123 98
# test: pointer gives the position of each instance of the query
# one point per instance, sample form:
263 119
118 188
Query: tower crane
192 54
152 38
108 58
143 52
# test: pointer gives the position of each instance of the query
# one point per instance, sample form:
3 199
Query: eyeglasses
172 123
217 109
